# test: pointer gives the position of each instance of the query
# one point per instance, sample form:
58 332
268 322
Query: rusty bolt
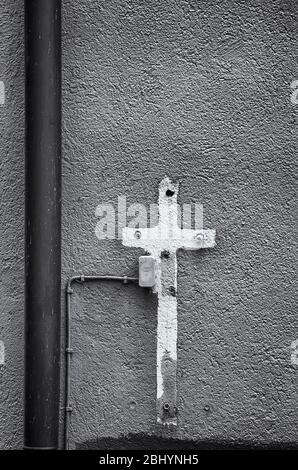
172 291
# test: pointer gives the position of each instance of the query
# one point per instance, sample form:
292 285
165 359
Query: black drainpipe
43 222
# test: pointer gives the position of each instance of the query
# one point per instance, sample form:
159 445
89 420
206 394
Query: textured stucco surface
200 91
11 224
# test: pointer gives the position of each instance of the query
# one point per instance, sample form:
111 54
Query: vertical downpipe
43 222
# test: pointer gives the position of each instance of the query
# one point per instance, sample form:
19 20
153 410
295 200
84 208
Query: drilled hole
170 193
172 291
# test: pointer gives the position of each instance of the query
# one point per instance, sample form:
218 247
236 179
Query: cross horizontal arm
154 240
196 239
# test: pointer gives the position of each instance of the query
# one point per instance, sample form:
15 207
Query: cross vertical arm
162 243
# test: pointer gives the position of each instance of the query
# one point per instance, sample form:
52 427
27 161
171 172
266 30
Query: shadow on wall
147 442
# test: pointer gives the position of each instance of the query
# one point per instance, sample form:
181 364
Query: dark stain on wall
146 442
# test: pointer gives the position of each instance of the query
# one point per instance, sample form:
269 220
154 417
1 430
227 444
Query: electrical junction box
146 271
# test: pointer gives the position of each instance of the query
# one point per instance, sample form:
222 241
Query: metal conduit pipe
68 344
43 222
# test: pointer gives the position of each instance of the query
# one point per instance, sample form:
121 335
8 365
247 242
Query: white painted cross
162 242
2 93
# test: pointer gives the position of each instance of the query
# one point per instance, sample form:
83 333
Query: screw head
138 234
199 237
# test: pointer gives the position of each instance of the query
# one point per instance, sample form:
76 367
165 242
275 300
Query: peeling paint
2 353
167 401
159 442
199 89
2 93
294 354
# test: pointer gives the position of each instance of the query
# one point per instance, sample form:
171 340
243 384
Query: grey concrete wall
11 224
200 91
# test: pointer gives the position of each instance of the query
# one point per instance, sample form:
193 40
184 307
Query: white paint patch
2 353
166 238
166 336
294 95
294 354
2 93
